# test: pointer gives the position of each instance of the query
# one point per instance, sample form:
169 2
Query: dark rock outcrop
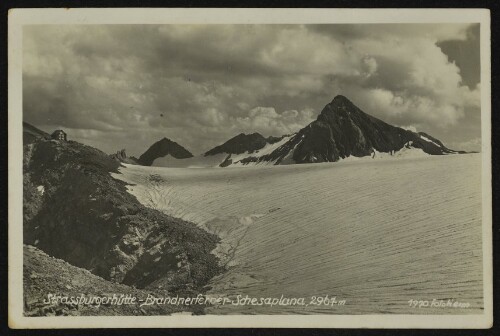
121 156
162 148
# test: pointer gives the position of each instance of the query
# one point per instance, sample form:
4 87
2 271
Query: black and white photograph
253 171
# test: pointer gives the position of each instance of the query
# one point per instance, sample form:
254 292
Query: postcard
308 168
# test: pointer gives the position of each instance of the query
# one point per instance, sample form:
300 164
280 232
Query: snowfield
376 233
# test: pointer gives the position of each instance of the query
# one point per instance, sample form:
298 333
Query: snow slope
198 161
376 233
429 140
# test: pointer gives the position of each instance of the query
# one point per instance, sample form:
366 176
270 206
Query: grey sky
126 86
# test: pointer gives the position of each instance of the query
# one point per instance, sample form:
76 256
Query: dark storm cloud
466 55
395 31
125 86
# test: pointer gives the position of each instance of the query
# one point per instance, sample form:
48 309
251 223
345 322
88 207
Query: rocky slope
340 131
163 148
31 133
44 275
74 210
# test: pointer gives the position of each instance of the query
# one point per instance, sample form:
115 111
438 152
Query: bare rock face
162 148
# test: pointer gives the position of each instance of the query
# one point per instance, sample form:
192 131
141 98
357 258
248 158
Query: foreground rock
74 210
44 275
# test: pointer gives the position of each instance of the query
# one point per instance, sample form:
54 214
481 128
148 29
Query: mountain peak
342 129
340 99
240 143
342 102
339 107
244 135
161 148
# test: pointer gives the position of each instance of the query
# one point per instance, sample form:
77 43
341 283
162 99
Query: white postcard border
19 17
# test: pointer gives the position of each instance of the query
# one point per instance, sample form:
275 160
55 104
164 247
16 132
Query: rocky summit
243 143
162 148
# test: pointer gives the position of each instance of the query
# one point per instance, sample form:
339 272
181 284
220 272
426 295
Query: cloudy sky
127 86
